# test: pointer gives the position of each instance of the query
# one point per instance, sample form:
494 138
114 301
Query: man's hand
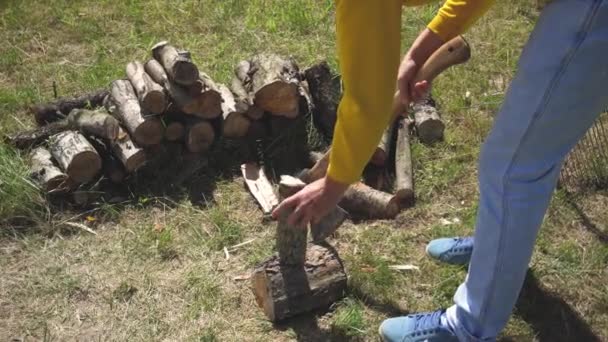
313 202
409 88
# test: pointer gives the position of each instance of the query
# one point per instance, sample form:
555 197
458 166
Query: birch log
75 155
60 108
131 156
180 96
178 64
150 94
429 125
48 176
404 180
236 123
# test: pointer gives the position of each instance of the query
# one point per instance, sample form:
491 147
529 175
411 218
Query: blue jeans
560 88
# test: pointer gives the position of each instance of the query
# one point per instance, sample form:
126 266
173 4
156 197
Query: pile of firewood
167 100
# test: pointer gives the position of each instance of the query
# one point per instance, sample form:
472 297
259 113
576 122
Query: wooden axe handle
455 51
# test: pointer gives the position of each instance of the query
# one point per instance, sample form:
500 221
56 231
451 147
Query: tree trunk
151 95
236 124
291 240
75 155
284 291
59 109
272 82
404 180
45 172
178 64
429 125
326 93
97 123
199 136
145 131
260 187
131 156
383 150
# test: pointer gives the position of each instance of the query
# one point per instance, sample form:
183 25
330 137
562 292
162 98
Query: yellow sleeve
456 16
368 37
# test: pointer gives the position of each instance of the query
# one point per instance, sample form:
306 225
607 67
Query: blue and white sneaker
421 327
455 251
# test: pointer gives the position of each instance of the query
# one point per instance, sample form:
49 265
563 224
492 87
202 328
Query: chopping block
303 276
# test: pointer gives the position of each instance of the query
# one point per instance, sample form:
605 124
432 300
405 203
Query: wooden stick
178 64
151 95
259 186
75 155
60 108
429 125
404 179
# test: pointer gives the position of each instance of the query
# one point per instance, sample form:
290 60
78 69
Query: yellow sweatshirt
369 43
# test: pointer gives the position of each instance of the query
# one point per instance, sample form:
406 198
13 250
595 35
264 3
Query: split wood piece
236 124
291 239
60 108
150 94
429 125
47 175
209 99
75 155
112 167
326 93
199 135
178 64
145 131
272 82
327 225
180 96
383 150
359 199
131 156
98 123
259 186
284 291
404 180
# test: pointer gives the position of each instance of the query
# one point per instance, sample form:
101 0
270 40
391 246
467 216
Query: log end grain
209 104
185 72
200 136
236 125
175 131
155 102
430 131
84 166
149 132
279 98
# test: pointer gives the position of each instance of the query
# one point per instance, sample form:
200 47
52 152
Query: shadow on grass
585 220
550 317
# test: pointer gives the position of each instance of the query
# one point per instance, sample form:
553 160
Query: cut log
175 131
178 64
291 239
97 123
377 177
131 156
199 136
383 150
359 200
429 125
404 180
145 131
75 155
259 186
47 175
284 291
32 138
151 95
112 167
180 96
236 124
209 100
272 82
326 93
59 109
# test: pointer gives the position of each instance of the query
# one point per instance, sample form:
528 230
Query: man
559 89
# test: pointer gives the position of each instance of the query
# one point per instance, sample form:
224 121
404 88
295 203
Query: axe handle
453 52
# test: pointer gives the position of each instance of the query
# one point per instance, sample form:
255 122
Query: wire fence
586 167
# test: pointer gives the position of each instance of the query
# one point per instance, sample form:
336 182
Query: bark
145 131
243 100
131 156
75 155
291 239
272 82
326 93
178 64
32 138
236 124
45 172
404 180
383 150
180 96
97 123
112 167
60 108
284 291
150 94
429 125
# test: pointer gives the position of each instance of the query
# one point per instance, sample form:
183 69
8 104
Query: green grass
157 270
